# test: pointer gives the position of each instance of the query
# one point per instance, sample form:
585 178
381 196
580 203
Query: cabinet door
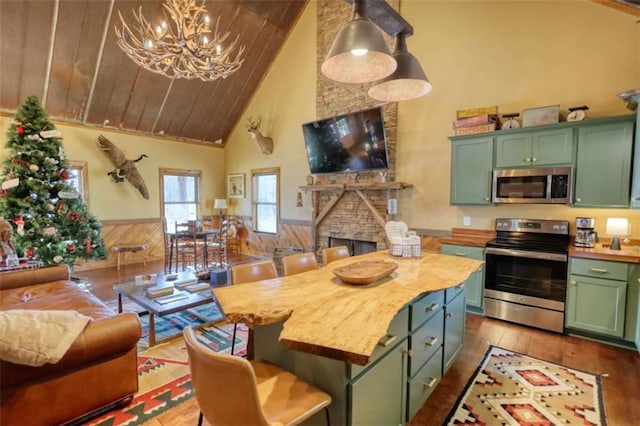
475 282
603 165
454 324
513 150
596 304
471 163
552 147
378 396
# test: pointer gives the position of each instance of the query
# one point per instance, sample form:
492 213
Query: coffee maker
586 236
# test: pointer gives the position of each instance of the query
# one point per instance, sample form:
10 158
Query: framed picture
235 185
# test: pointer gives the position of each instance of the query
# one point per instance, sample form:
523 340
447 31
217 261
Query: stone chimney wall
350 218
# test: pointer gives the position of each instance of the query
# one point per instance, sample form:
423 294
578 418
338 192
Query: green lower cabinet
475 283
596 305
378 396
454 328
423 383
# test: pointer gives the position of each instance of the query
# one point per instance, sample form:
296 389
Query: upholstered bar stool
298 263
246 273
330 254
233 391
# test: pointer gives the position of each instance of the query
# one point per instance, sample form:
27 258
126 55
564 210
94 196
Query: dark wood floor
621 367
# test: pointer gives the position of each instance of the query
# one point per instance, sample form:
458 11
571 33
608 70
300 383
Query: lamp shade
617 226
359 53
407 82
220 203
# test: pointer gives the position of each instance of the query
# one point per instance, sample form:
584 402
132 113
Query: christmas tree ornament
34 167
71 248
64 174
62 208
30 253
57 258
50 206
19 221
20 163
87 245
10 183
48 134
49 231
34 137
74 217
20 130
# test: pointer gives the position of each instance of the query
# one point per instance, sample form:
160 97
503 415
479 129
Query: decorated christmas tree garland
51 222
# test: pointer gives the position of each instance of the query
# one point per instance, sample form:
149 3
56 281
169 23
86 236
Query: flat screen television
349 142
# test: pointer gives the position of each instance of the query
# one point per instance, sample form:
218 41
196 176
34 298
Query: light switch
466 220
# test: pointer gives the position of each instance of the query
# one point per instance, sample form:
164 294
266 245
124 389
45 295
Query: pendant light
408 81
359 53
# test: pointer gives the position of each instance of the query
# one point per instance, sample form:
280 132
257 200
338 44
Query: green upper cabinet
534 148
635 184
603 165
471 164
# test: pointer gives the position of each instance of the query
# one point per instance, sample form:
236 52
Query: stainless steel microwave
540 185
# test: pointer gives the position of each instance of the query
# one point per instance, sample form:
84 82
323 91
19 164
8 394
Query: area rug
164 379
170 325
509 388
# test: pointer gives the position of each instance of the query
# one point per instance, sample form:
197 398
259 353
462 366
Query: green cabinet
635 182
534 148
603 164
378 395
597 296
475 283
454 328
471 164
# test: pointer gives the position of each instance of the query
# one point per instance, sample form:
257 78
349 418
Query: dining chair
298 263
218 246
233 391
167 246
187 243
330 254
245 273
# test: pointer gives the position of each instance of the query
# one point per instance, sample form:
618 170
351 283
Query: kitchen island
369 346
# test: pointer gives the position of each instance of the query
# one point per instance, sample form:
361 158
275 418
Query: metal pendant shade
407 82
359 53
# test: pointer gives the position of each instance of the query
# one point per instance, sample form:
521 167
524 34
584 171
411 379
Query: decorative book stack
477 120
154 292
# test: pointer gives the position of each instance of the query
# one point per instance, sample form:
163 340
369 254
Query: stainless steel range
526 272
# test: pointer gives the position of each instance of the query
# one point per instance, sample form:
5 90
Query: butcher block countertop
628 253
324 316
469 237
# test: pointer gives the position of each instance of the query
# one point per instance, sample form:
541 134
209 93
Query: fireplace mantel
354 186
366 192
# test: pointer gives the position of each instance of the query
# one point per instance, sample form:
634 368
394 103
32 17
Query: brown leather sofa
99 369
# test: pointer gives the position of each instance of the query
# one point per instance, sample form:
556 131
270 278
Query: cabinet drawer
464 251
421 386
600 269
452 292
426 341
424 308
398 330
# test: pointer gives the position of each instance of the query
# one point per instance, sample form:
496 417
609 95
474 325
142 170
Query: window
266 196
180 195
79 180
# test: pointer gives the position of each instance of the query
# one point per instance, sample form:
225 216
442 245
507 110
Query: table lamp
617 226
220 204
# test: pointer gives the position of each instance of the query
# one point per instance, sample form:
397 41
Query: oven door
526 277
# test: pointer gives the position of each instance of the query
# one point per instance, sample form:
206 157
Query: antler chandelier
181 49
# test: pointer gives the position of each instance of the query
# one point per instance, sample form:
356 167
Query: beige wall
516 55
120 201
286 99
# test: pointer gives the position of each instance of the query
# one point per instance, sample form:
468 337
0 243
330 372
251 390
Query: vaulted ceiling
65 52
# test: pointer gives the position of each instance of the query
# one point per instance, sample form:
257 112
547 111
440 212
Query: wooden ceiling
65 52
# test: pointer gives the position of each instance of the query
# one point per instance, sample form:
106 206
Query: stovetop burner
548 236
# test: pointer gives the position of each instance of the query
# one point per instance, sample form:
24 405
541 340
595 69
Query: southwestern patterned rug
164 379
509 388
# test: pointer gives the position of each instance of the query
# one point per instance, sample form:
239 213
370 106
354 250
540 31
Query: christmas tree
50 220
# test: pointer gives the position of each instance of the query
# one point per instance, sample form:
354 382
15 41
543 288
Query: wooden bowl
365 271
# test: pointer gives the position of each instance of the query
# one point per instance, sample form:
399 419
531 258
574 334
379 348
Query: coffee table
183 300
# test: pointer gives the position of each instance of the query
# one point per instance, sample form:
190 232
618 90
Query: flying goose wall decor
125 168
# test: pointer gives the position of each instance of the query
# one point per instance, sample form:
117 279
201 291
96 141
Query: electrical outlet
466 220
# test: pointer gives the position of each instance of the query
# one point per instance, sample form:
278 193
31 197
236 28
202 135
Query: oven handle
529 254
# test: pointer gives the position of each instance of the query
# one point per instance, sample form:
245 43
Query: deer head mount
265 142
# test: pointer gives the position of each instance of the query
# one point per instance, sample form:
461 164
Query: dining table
204 234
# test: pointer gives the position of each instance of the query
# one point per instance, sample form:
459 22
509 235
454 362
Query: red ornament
87 245
71 248
18 220
20 130
64 174
74 216
30 252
